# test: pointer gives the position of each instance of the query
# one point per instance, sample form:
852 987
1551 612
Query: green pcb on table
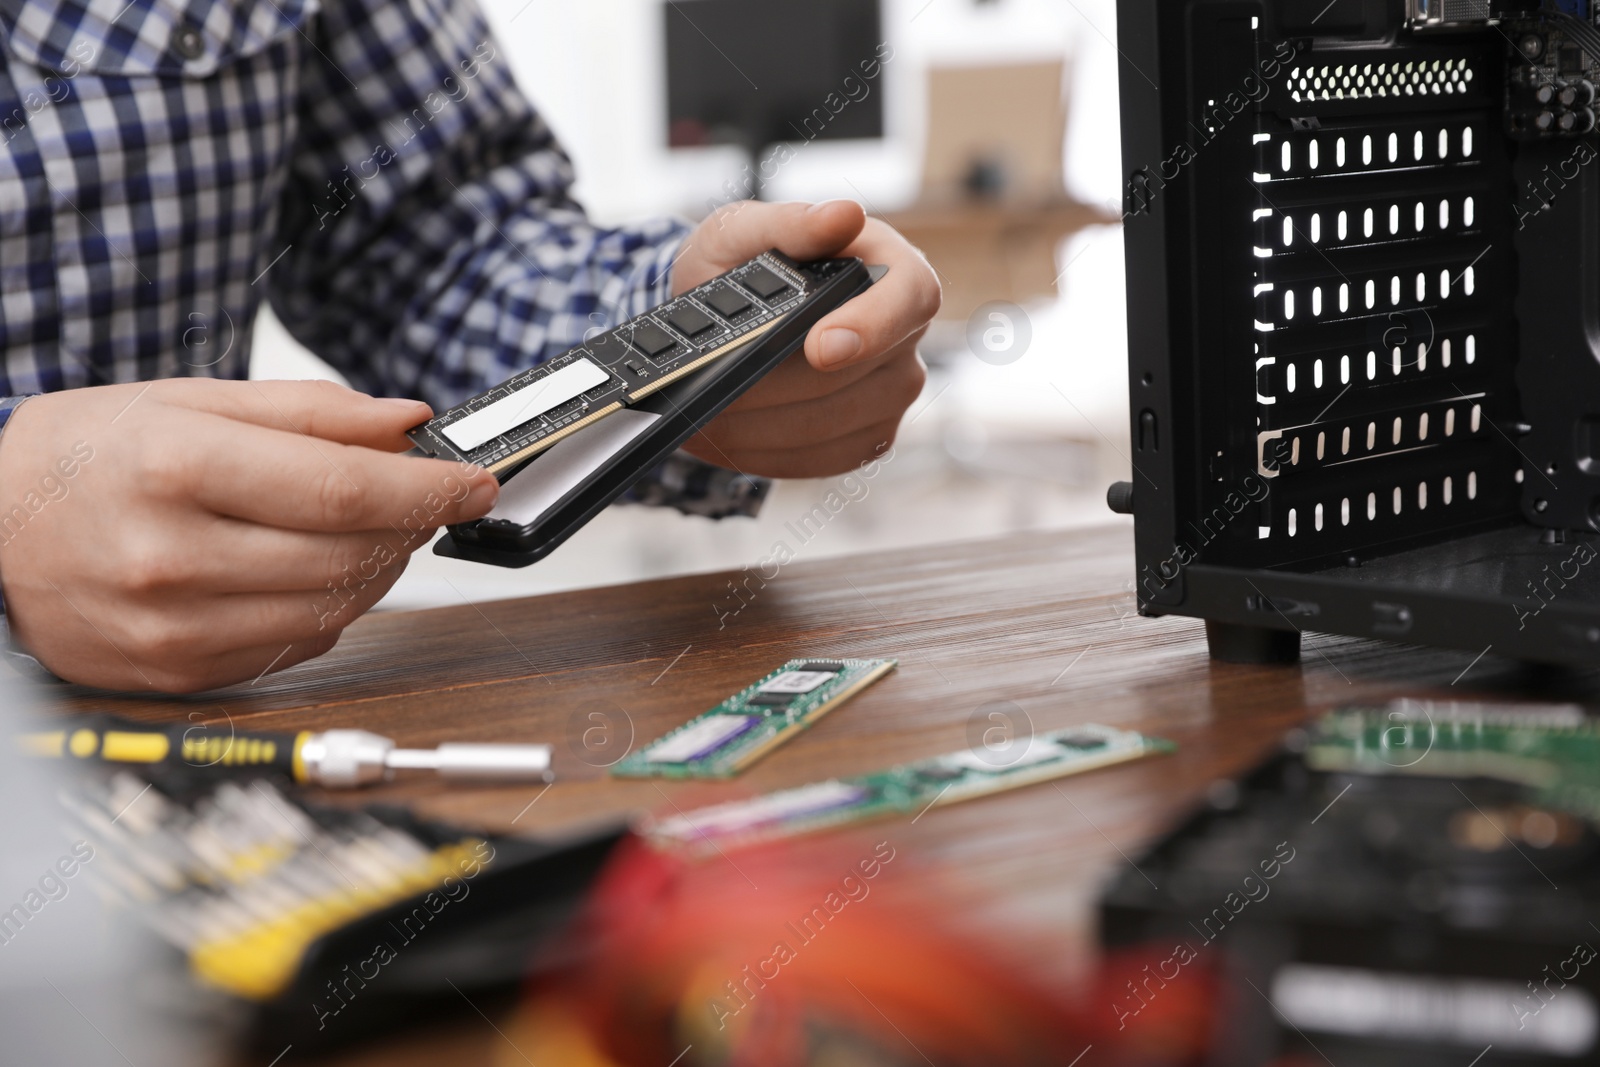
907 789
725 740
1554 749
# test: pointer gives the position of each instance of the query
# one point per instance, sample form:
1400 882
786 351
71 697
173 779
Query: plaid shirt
368 166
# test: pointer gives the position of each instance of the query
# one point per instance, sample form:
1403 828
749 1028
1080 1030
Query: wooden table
1044 620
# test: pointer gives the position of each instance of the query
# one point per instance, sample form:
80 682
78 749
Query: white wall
595 68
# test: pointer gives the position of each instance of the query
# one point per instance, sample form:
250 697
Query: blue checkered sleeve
431 244
368 166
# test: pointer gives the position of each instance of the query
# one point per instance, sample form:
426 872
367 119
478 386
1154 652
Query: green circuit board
906 789
1553 749
725 740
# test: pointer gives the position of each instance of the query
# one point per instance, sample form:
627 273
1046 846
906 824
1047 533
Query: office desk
1044 620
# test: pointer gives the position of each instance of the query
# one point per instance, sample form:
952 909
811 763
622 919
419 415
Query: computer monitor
759 72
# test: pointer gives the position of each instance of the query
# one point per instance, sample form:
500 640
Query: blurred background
989 136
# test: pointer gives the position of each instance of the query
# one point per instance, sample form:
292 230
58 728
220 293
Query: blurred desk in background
987 251
1040 620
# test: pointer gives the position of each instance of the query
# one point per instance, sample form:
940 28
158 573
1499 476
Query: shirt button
188 42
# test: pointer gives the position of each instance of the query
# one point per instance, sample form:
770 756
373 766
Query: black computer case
1363 262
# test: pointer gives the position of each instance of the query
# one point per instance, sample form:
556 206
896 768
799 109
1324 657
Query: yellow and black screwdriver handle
220 745
340 758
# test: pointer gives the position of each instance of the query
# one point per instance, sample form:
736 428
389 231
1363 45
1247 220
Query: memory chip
727 302
796 682
651 339
907 790
724 740
763 282
700 738
689 320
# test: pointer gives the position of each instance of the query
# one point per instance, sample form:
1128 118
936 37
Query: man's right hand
184 534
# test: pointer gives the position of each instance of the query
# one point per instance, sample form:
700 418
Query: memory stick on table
740 730
907 789
1554 749
568 437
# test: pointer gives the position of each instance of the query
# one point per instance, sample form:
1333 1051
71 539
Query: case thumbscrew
1119 498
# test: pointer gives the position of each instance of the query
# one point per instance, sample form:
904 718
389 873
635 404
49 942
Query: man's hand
190 533
840 403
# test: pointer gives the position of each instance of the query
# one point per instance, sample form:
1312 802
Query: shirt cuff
9 404
12 658
695 487
8 407
18 662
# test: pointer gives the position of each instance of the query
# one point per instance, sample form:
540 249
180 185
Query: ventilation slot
1358 81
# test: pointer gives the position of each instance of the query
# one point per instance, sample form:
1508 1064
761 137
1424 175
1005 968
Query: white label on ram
527 403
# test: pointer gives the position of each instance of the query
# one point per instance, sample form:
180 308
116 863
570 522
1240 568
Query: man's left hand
839 403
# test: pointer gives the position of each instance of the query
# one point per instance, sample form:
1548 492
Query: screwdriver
339 759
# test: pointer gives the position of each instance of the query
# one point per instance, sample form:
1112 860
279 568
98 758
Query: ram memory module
504 428
725 740
907 789
1553 749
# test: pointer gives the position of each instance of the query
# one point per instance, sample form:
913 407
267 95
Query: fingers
302 483
249 665
903 302
814 461
795 379
744 230
231 556
182 644
883 394
214 640
317 409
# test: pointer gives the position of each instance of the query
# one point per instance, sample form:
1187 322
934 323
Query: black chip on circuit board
728 302
690 320
651 339
763 282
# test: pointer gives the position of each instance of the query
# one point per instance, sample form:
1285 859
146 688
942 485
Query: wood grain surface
1042 620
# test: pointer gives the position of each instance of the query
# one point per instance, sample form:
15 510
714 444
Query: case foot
1234 643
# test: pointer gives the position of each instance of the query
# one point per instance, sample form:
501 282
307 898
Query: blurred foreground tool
339 759
819 954
317 924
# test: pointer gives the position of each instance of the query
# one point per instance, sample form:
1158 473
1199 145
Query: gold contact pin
545 442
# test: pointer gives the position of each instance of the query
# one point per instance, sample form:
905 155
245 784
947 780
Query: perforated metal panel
1332 304
1382 271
